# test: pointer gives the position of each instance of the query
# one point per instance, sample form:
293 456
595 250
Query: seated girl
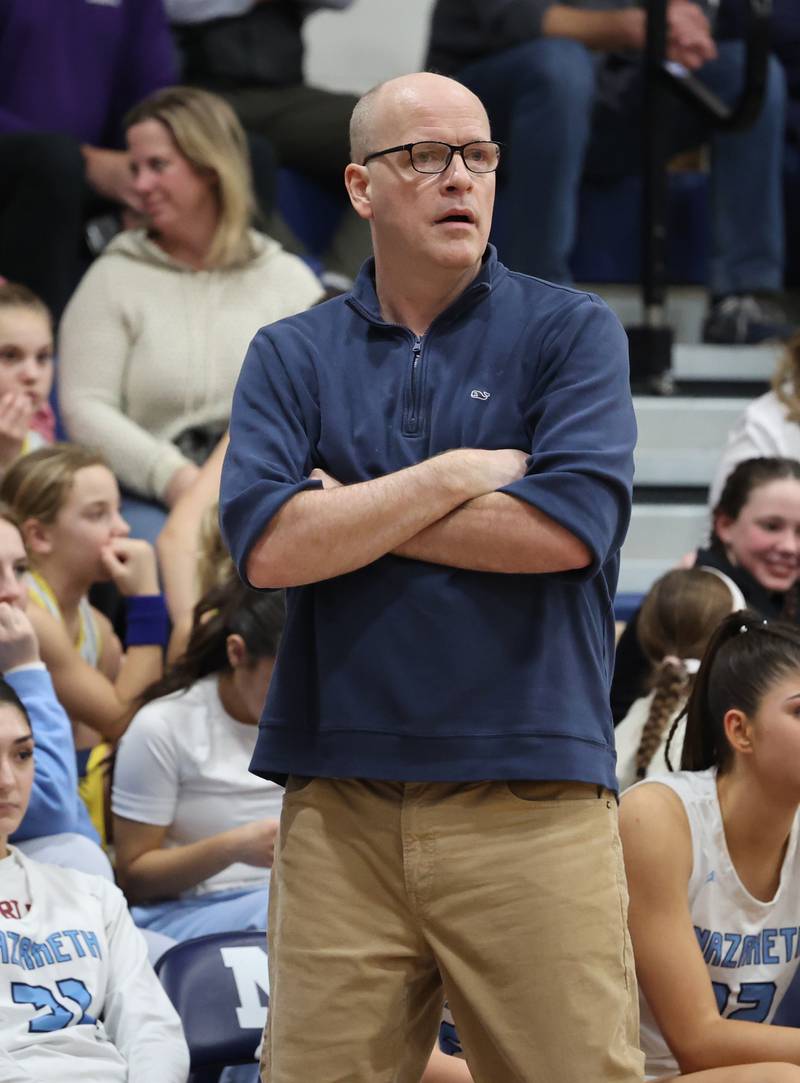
755 541
677 619
194 830
26 372
78 998
712 855
66 500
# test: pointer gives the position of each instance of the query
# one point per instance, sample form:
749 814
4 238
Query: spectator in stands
194 831
712 856
78 998
69 72
755 541
677 619
26 372
770 425
556 101
56 827
66 501
152 341
251 52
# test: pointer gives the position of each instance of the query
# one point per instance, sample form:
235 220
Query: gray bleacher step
724 364
680 438
659 536
692 360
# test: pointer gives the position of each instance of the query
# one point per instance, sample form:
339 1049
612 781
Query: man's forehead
408 113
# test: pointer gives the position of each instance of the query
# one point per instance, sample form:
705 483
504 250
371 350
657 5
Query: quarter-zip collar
364 297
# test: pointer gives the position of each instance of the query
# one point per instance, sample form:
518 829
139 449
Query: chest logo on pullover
477 393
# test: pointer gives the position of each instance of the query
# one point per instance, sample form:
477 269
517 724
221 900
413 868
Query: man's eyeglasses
481 156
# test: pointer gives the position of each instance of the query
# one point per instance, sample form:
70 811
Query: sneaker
745 320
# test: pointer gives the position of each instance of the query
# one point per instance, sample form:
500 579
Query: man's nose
457 175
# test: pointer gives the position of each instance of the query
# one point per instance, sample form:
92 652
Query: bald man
438 465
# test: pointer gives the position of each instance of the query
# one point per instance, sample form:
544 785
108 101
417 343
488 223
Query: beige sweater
149 347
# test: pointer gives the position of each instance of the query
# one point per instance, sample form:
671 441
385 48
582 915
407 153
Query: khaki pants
507 898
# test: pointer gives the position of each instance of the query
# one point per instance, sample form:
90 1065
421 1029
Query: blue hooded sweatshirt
415 671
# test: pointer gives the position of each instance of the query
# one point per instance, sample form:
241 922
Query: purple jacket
77 66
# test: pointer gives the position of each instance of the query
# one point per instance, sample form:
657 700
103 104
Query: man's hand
328 482
18 643
689 40
16 413
131 564
109 173
490 470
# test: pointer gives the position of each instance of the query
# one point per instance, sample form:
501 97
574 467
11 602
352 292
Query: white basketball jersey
751 948
79 1002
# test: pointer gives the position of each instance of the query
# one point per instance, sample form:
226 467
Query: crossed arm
444 510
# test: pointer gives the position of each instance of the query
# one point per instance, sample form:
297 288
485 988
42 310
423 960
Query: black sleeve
631 670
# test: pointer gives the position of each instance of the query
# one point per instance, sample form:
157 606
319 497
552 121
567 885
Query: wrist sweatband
147 623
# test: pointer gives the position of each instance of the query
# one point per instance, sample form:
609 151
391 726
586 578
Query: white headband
737 597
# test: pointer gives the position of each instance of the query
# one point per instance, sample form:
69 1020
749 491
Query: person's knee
562 71
727 75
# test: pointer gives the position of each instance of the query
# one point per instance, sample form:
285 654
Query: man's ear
37 537
357 183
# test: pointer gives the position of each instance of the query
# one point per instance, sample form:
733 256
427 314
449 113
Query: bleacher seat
218 985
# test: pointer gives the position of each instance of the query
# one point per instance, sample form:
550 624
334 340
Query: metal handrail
651 343
744 112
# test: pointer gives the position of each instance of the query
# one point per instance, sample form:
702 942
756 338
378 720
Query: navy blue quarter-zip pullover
414 671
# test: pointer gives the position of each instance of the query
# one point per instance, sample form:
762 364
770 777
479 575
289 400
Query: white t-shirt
628 734
79 1002
183 764
750 947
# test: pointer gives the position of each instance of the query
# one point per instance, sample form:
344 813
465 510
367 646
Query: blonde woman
152 342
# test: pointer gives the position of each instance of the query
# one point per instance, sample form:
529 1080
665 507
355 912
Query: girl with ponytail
712 857
676 621
194 830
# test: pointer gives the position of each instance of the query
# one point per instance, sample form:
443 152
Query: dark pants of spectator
308 127
45 202
543 100
309 131
43 199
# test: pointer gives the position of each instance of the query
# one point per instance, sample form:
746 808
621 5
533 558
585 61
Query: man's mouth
464 217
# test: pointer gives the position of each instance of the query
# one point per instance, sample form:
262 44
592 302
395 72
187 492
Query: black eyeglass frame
452 148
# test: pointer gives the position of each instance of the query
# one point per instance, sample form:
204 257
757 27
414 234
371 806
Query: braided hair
676 621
